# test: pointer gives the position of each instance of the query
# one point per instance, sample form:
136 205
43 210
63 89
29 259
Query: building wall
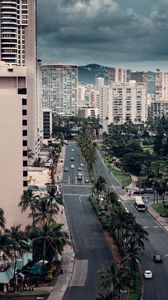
13 131
59 87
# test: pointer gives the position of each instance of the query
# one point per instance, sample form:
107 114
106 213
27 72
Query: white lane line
156 226
80 273
83 195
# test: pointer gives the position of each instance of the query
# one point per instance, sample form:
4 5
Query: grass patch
160 209
121 176
25 293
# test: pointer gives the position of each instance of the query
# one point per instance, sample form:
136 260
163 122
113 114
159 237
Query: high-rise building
13 136
161 86
129 102
18 47
47 123
139 76
59 87
116 75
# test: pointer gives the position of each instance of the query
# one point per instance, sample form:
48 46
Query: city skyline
118 33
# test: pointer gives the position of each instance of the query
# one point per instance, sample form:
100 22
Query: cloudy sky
125 33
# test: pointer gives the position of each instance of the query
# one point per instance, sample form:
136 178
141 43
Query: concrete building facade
14 140
18 47
60 87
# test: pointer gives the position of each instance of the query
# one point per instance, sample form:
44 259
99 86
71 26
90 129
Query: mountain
87 75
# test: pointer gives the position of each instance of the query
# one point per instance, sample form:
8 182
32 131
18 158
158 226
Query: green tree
2 219
44 213
48 241
16 238
28 200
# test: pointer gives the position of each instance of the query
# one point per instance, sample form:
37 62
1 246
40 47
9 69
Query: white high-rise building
18 47
59 87
129 102
161 86
104 100
116 75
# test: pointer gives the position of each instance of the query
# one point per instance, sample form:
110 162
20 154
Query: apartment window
24 112
25 183
24 143
24 122
24 132
25 173
25 163
24 101
24 153
22 91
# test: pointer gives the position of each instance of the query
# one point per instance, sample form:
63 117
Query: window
24 153
24 122
24 143
25 183
25 163
24 132
25 173
24 101
22 91
24 112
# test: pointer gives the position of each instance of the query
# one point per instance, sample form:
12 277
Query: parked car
72 166
148 191
72 158
148 274
81 164
66 169
157 258
87 180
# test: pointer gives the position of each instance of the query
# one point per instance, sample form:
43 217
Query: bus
139 204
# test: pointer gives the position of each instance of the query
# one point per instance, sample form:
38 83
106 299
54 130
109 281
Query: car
72 158
87 180
72 150
79 169
66 169
138 192
72 166
148 191
79 176
81 164
157 258
148 274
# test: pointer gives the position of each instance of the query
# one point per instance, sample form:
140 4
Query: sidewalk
163 221
68 255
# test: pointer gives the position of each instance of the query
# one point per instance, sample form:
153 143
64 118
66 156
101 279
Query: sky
119 33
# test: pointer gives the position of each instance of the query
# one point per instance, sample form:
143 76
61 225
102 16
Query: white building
116 75
18 47
129 102
13 137
89 112
81 96
161 86
59 87
104 100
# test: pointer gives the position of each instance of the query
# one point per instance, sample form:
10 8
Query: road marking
156 226
80 273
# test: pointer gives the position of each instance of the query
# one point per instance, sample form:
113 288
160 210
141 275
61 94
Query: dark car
138 192
148 191
157 258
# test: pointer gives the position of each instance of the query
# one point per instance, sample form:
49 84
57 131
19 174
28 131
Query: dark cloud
103 31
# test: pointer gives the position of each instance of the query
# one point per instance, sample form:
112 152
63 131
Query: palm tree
54 199
44 212
48 241
16 239
28 200
2 219
114 278
4 244
100 185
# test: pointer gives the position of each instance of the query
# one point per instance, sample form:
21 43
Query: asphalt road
156 288
25 298
91 249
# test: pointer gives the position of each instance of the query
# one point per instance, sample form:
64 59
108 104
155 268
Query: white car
148 274
72 166
72 150
82 165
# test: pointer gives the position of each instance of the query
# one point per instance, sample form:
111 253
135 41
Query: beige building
18 47
13 137
116 75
